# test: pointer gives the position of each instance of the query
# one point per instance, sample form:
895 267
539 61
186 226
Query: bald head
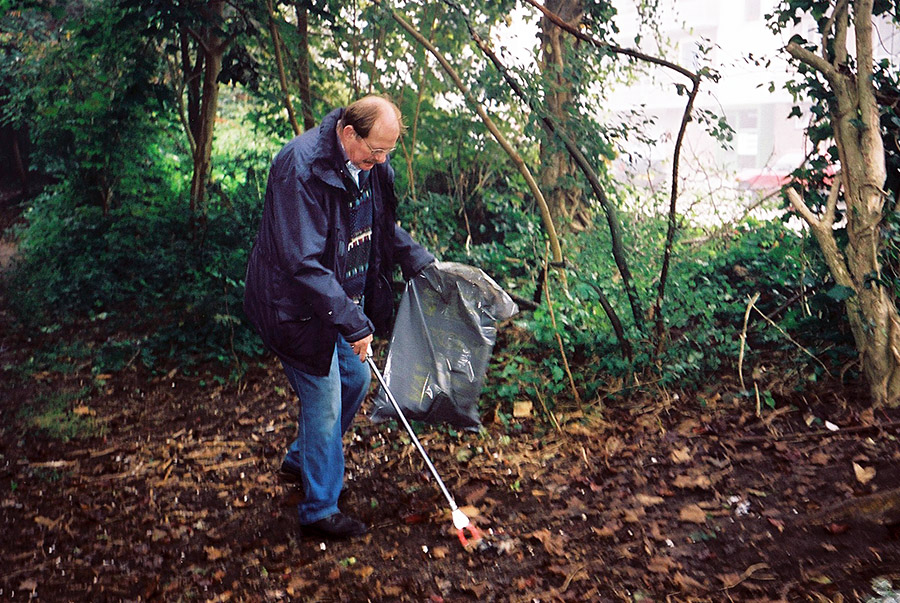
369 111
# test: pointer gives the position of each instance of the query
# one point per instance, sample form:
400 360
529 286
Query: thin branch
816 62
744 339
562 350
636 54
553 129
686 117
792 340
492 128
673 225
838 17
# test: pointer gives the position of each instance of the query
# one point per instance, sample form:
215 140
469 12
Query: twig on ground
816 434
792 340
744 339
547 410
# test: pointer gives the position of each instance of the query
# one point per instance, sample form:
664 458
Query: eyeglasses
374 151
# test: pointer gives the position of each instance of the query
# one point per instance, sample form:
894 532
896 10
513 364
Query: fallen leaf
46 522
157 535
613 445
439 552
837 528
692 513
688 427
692 481
553 544
863 475
820 458
522 409
646 499
634 515
867 417
464 454
471 511
686 582
30 585
476 495
682 455
213 553
83 410
578 429
606 531
660 565
730 580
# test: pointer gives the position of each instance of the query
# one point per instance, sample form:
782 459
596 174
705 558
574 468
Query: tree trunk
309 120
557 167
211 47
279 62
191 73
871 310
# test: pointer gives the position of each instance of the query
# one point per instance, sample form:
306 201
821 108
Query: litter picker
460 520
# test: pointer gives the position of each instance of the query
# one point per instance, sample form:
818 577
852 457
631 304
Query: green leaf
840 293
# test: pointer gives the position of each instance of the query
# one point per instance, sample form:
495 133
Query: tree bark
279 62
211 50
309 120
871 310
557 167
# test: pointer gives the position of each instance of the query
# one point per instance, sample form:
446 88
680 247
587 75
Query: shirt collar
354 171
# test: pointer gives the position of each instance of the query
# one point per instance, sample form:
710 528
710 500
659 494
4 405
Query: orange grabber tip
474 534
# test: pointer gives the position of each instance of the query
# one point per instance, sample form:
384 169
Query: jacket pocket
289 311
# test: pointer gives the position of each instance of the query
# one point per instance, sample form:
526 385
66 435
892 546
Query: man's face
364 153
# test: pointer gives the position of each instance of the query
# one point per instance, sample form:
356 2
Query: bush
172 284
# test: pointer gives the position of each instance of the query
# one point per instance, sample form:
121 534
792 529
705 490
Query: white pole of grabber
460 520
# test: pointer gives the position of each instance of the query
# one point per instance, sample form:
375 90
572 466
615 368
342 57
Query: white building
750 93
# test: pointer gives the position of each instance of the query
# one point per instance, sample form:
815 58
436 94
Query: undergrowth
148 282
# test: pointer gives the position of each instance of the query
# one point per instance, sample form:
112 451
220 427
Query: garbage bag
441 344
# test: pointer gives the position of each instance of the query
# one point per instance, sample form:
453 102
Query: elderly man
318 286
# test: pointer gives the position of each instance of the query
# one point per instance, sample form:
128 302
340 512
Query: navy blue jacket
294 295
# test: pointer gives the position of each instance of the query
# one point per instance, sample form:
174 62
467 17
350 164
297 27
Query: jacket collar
329 159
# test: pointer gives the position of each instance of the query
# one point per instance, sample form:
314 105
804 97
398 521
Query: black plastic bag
441 345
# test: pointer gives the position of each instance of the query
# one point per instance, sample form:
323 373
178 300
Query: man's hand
361 347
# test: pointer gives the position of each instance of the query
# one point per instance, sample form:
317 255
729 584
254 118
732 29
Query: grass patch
61 415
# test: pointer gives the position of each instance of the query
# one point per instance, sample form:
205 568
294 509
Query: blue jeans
327 407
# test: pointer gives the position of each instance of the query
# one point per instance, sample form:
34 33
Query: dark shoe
337 526
288 474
